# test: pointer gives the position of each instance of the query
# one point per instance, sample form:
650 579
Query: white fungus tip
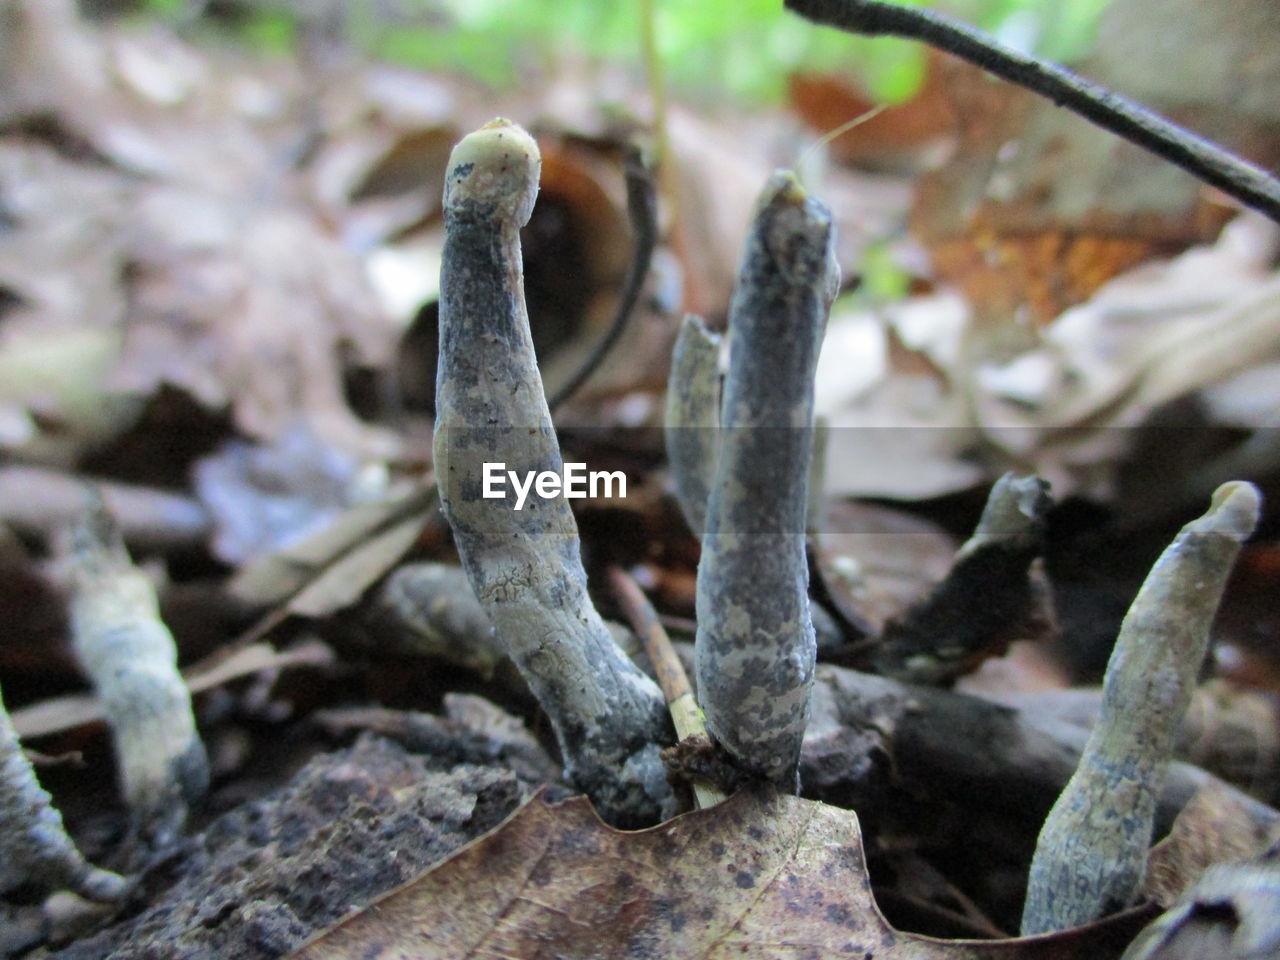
497 165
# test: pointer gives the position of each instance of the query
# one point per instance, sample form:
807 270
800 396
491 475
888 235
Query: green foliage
165 8
709 51
272 30
884 280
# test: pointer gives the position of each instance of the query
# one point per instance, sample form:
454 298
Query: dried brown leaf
162 227
1038 208
329 570
760 875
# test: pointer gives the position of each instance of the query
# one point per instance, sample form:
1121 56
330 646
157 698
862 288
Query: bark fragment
1091 855
755 647
525 565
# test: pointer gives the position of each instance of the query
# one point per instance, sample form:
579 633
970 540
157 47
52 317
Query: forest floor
218 305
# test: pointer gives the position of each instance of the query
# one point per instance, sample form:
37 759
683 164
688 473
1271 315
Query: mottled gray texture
693 418
131 657
525 566
348 827
1091 856
34 846
755 644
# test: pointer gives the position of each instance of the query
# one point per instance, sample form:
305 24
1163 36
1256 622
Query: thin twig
642 211
1206 161
666 666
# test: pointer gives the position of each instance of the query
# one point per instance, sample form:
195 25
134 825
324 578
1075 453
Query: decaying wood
693 418
1232 733
1092 852
525 565
34 846
131 657
755 647
991 597
994 760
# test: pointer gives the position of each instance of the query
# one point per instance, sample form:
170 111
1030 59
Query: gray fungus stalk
525 566
755 647
693 417
988 598
1090 858
132 659
34 846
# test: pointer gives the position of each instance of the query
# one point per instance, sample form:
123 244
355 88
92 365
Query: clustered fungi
741 466
741 470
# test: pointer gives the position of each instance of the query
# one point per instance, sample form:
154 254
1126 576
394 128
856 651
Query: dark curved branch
642 211
1250 184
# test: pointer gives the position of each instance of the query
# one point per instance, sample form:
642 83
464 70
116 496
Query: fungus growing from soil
1090 859
130 656
525 566
755 649
34 846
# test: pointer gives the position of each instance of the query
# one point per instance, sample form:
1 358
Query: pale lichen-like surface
693 417
131 658
525 566
34 846
755 647
1091 855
